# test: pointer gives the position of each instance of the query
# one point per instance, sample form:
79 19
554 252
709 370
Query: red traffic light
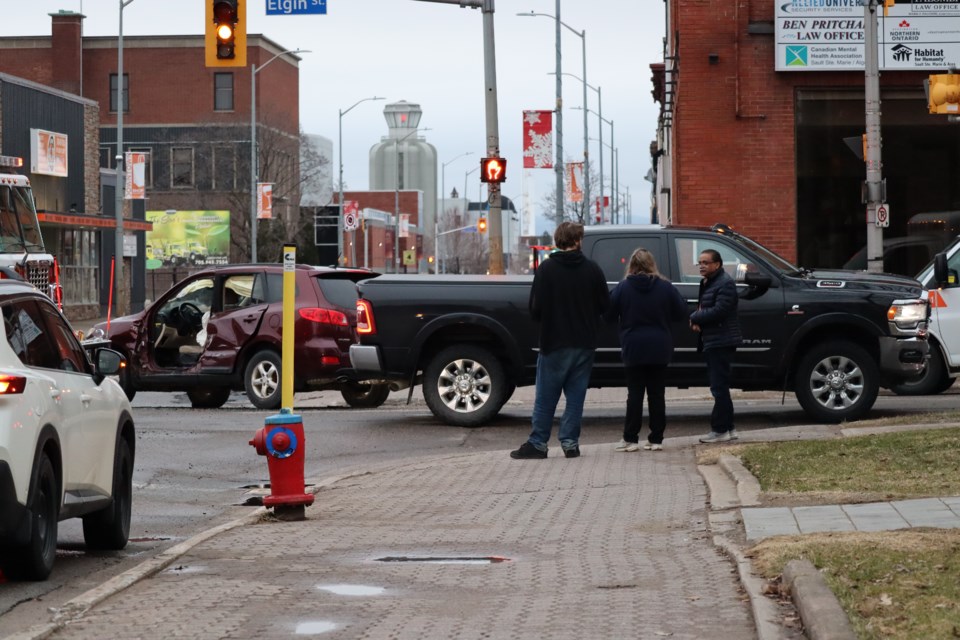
482 225
493 170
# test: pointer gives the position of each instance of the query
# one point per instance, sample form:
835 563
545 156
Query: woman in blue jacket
645 304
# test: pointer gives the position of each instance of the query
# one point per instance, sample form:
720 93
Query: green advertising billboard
197 238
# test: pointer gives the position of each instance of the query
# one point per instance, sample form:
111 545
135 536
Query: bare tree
574 211
462 250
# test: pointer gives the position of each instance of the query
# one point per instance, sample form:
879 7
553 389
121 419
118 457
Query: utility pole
495 236
874 184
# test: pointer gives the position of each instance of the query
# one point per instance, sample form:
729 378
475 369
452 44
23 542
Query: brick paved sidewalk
609 545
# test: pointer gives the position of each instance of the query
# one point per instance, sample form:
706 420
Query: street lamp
119 189
396 199
466 196
443 197
558 165
611 147
601 119
614 175
353 245
253 147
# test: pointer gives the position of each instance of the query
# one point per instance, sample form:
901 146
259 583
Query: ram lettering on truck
21 245
834 338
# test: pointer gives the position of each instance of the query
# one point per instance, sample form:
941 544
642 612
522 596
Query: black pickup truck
832 337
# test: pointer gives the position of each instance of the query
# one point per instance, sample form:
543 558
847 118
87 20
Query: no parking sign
883 215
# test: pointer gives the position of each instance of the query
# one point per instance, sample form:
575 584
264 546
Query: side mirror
757 283
107 362
941 274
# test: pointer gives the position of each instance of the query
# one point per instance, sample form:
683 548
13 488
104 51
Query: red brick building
763 149
193 122
376 241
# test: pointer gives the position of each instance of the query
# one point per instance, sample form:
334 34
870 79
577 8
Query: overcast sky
432 54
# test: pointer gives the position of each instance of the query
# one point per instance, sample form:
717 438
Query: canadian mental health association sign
828 35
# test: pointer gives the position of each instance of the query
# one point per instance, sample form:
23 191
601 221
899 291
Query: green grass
888 466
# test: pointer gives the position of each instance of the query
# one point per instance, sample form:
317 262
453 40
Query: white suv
66 436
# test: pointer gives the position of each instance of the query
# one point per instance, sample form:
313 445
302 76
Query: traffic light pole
495 266
874 183
121 182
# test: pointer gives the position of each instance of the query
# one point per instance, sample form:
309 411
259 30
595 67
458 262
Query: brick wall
734 144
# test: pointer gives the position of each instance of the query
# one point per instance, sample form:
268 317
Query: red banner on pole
537 139
574 181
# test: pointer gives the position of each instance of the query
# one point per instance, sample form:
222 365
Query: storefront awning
82 221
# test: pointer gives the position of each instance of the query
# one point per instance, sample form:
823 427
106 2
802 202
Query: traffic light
493 170
944 93
226 33
482 225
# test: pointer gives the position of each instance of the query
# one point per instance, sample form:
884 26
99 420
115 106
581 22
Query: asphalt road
194 467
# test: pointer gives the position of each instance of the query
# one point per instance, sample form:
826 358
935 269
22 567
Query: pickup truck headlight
908 314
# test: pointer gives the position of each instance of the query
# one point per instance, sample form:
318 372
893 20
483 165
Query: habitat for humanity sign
828 35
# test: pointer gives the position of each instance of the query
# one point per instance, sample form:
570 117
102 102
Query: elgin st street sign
296 7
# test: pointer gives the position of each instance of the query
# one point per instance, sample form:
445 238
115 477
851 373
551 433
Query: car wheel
934 378
208 398
837 381
464 385
262 380
109 528
365 395
126 382
34 560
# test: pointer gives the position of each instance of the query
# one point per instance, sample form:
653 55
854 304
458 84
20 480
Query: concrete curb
748 487
823 617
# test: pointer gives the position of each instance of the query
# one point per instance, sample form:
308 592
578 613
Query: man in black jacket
568 297
716 321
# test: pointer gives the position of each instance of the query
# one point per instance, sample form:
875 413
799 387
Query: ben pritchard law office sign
828 35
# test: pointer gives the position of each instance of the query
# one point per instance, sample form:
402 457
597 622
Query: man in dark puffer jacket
716 321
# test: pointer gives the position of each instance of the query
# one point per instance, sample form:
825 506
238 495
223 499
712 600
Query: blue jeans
566 371
719 363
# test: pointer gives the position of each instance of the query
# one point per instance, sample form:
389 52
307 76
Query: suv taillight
11 384
325 316
365 324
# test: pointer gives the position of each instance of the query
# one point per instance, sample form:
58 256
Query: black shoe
528 452
572 452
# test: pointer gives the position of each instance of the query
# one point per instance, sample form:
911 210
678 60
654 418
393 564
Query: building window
113 93
148 165
181 168
224 167
106 159
223 92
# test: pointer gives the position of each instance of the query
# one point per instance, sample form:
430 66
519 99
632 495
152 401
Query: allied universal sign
296 7
828 35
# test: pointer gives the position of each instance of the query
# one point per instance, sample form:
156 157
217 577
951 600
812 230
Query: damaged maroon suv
219 330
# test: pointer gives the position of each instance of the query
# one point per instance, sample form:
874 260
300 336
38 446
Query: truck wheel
365 395
934 378
262 380
109 528
837 381
464 385
34 560
208 398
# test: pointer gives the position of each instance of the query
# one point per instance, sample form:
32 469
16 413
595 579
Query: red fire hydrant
282 441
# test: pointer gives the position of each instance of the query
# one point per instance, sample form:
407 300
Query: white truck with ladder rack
21 244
